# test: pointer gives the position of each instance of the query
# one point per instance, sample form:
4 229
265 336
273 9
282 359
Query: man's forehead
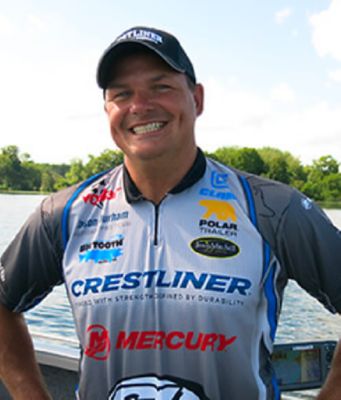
153 67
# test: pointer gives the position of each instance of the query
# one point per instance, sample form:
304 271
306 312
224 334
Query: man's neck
155 178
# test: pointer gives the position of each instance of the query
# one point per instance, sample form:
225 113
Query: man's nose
141 102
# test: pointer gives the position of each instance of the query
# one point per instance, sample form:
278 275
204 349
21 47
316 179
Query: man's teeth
154 126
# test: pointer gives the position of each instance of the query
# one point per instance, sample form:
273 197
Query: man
175 265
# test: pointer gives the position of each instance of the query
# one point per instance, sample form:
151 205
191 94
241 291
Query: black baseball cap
160 42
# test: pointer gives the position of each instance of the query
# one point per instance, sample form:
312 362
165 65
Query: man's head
151 96
160 42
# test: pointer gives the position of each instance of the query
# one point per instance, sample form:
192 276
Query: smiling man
152 110
177 297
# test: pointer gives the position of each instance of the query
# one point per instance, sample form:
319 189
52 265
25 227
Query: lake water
302 318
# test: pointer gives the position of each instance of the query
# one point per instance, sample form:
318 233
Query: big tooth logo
102 252
99 345
221 209
214 247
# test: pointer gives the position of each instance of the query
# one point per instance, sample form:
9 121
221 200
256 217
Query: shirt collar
192 176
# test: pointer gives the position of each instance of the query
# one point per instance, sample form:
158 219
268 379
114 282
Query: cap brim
113 53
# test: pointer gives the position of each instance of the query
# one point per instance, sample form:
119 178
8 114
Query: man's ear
199 98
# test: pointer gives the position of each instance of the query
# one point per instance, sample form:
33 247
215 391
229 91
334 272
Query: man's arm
19 370
331 390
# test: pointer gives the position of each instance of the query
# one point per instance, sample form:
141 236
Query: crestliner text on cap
141 34
162 43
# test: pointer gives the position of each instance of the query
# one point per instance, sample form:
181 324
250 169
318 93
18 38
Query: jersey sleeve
302 237
32 264
309 247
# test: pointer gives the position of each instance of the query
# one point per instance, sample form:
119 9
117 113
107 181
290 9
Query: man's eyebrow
118 85
159 77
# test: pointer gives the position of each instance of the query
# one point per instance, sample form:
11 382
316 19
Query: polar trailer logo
153 387
215 247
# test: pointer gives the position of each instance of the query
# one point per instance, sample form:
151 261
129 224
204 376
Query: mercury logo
99 345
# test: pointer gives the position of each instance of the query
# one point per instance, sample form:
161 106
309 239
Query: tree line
321 180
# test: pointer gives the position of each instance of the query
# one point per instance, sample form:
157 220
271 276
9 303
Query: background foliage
320 181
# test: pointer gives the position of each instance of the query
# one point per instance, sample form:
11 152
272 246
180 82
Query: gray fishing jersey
178 300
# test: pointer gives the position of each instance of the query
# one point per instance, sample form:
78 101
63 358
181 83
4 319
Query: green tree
225 155
281 166
245 159
75 174
248 159
48 182
31 175
106 160
326 165
323 179
10 168
331 187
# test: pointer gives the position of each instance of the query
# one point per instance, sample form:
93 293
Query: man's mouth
147 128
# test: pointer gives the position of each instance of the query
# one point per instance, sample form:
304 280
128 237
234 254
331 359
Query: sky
271 70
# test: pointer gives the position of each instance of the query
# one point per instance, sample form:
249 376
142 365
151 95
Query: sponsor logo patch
219 181
183 280
215 194
100 194
307 203
102 220
174 340
214 247
224 212
153 387
98 345
221 209
102 252
141 34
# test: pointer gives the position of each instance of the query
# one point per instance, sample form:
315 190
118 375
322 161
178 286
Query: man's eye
121 95
162 87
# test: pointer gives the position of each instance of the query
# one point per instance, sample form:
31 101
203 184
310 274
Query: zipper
156 224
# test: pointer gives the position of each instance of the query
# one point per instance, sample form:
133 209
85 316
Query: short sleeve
32 263
309 247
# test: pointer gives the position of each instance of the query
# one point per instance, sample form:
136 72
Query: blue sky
271 71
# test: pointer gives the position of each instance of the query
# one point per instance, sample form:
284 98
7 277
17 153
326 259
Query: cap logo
141 34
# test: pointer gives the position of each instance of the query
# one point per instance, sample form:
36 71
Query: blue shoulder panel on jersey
66 212
268 271
250 201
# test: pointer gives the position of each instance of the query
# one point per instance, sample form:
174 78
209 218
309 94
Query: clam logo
152 387
219 181
214 247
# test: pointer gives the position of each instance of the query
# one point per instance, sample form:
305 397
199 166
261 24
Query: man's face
151 108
